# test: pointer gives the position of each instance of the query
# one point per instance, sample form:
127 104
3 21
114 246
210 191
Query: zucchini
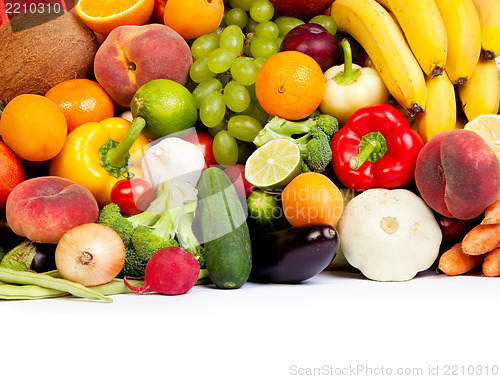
228 249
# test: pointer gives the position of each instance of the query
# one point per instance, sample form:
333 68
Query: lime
167 106
273 165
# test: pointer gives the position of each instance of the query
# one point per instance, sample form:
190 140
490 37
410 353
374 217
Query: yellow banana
384 42
464 38
424 30
489 17
440 108
481 94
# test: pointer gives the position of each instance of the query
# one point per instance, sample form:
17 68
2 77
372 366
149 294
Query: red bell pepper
377 148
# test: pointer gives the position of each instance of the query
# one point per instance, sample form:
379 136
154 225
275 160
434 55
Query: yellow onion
90 254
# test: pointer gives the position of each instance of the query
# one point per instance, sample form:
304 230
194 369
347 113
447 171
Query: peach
43 208
133 55
457 174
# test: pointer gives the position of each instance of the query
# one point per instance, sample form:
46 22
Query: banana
489 17
440 108
424 30
464 38
481 94
384 42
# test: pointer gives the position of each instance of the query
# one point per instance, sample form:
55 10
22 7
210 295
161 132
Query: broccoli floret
111 216
146 243
134 266
312 135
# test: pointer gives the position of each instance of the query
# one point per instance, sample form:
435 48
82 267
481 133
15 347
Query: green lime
273 165
167 106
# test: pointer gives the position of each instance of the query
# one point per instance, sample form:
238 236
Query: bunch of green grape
224 71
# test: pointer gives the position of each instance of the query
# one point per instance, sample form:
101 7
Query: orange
312 198
82 101
193 18
34 127
290 84
103 16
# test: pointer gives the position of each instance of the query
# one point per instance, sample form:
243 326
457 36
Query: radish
171 270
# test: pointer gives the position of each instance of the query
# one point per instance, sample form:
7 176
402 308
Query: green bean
42 280
27 292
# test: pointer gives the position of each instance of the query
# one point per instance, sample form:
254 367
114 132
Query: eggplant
292 255
30 256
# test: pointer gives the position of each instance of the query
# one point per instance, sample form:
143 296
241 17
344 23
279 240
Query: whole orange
312 198
34 127
82 101
11 172
290 84
193 18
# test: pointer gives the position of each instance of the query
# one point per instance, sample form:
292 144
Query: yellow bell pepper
96 154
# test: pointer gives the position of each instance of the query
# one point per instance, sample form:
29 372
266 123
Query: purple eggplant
292 255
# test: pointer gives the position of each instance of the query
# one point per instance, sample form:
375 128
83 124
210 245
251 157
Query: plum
457 174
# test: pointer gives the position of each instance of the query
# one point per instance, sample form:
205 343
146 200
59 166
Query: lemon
273 165
488 127
167 106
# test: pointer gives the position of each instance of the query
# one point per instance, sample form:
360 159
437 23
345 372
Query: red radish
171 271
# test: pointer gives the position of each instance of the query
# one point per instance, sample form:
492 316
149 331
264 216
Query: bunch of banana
489 17
384 42
426 51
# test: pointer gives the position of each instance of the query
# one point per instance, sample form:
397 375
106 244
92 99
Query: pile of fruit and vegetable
149 146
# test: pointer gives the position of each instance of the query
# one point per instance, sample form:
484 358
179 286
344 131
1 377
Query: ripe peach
43 208
457 174
133 55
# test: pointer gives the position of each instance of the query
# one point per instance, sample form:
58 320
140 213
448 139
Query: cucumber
228 249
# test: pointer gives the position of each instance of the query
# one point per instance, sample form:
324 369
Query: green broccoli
312 135
146 243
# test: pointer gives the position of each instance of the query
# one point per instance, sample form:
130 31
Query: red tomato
204 142
133 196
11 172
236 173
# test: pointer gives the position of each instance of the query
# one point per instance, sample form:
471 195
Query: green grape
244 127
267 29
217 128
204 45
261 10
257 112
236 96
259 62
220 60
232 38
325 21
244 151
225 78
237 16
243 4
225 148
204 88
263 47
251 24
212 109
199 70
244 71
286 23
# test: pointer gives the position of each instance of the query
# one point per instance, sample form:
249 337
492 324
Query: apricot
457 174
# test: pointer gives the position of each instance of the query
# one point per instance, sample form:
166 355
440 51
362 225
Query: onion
90 254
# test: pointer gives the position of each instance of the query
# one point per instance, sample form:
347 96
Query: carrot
481 239
491 263
492 214
455 262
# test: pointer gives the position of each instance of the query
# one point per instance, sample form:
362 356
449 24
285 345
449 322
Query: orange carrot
491 263
481 239
492 214
455 262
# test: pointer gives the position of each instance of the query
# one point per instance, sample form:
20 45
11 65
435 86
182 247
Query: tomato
133 196
236 173
204 142
311 198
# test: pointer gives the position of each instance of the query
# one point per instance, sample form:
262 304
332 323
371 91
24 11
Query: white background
335 320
